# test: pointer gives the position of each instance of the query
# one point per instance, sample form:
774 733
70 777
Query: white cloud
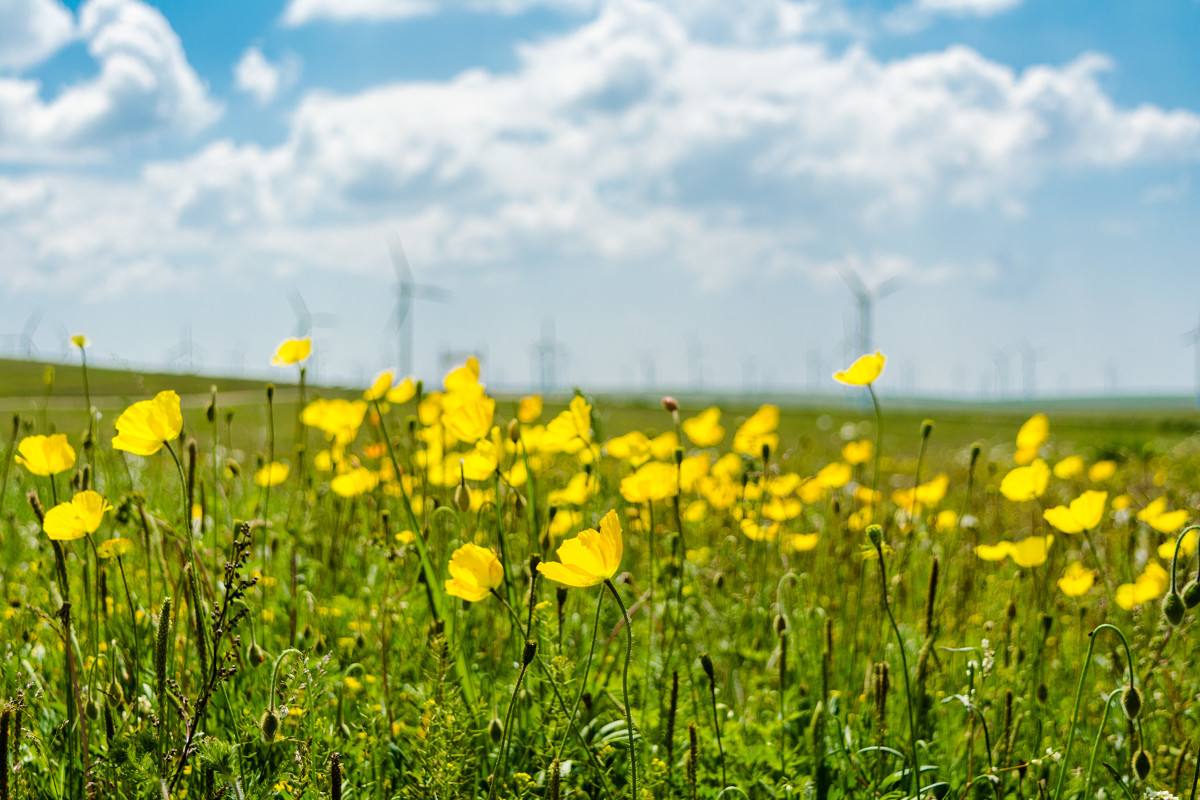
144 87
976 8
630 142
32 31
261 79
301 12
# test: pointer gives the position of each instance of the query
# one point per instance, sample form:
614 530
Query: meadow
422 590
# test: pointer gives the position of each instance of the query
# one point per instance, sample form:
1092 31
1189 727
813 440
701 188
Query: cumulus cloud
631 141
32 31
262 79
919 14
144 87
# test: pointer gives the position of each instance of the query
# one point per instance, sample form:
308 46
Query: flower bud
257 654
1141 765
926 428
875 534
1173 607
529 652
269 725
514 431
495 730
1191 594
462 497
670 404
1131 701
707 665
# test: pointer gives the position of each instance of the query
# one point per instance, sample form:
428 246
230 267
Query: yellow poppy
402 392
116 546
632 447
590 558
1150 585
380 386
468 417
858 452
81 341
1026 483
1076 579
758 430
1032 435
529 408
656 480
272 474
464 379
946 520
704 429
800 542
579 489
993 552
1156 516
865 370
1083 514
834 476
46 455
292 351
355 482
1102 471
144 427
1069 467
80 515
1031 551
1187 546
474 571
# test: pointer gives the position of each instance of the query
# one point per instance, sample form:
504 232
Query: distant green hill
30 379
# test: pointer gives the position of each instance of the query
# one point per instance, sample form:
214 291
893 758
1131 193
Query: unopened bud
670 404
462 497
1173 607
1131 702
875 534
707 665
1141 765
529 652
1191 594
495 730
514 431
926 428
269 725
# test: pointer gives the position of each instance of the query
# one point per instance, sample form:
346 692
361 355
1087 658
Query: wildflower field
422 590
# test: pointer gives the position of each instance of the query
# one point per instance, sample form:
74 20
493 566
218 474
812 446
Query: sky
670 194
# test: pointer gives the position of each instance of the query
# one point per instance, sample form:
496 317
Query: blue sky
678 185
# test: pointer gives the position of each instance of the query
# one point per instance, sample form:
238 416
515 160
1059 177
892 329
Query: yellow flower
926 495
1156 516
578 491
402 392
81 341
116 546
993 552
483 461
1187 547
632 447
1031 436
705 429
292 351
355 482
79 516
380 386
1102 471
664 445
858 452
757 431
1031 551
529 408
46 455
338 419
464 379
1026 483
864 371
590 558
144 427
1076 579
468 417
1069 467
272 474
759 532
656 480
800 542
572 425
474 571
834 476
1150 585
946 520
1083 514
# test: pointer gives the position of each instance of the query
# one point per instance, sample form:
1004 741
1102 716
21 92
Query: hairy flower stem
587 665
1087 661
1087 786
877 540
625 686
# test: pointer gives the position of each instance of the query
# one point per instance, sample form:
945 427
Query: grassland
298 639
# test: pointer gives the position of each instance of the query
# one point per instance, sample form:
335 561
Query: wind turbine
547 354
408 290
307 320
25 347
865 298
1030 356
1192 337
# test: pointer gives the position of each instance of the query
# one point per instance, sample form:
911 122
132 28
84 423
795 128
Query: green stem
1087 786
587 665
625 686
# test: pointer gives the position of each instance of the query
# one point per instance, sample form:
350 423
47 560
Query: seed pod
1191 594
1173 608
926 428
1131 701
1141 764
269 725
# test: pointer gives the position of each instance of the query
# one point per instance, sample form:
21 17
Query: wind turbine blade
890 286
855 283
400 261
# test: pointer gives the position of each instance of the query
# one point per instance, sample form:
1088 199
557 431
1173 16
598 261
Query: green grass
342 641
